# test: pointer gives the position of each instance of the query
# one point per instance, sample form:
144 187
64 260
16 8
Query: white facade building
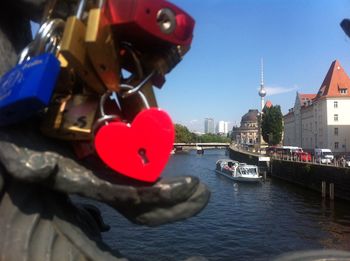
322 120
209 125
222 127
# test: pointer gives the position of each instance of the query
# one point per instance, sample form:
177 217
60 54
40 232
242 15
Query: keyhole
142 153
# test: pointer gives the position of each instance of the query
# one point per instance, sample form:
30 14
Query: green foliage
213 138
272 125
182 134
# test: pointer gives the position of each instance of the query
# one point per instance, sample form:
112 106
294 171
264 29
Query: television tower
262 94
262 91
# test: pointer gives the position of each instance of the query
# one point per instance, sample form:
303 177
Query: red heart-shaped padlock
139 150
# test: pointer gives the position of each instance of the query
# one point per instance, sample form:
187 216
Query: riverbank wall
243 156
312 176
308 175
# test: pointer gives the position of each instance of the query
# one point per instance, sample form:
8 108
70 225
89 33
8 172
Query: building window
335 104
335 117
336 145
336 131
343 91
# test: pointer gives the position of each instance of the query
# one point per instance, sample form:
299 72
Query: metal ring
102 121
142 96
24 55
80 9
104 118
47 31
166 20
138 87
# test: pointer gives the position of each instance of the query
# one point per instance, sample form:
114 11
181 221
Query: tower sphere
262 92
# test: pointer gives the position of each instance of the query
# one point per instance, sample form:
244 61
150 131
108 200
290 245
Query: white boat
200 150
237 171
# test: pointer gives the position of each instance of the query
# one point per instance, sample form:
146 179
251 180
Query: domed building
248 132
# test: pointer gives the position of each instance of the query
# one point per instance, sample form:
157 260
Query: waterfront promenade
253 152
330 180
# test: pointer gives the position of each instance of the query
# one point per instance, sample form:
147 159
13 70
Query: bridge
203 145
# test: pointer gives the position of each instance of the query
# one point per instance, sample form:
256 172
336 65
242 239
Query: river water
241 221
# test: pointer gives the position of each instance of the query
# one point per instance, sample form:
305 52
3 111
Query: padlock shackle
24 55
48 30
138 87
48 10
103 120
103 101
80 9
100 3
141 95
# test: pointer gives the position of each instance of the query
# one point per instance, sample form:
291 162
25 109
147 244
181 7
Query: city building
222 128
209 125
322 120
248 132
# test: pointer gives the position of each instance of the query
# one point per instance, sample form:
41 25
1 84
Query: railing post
324 189
331 191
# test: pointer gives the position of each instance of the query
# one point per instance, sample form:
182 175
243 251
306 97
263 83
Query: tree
214 138
272 125
182 134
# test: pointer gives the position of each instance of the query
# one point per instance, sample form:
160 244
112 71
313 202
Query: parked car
324 156
303 156
288 152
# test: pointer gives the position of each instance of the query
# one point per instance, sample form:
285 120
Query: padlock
27 88
101 47
139 149
73 48
131 104
46 40
71 117
134 83
150 24
113 113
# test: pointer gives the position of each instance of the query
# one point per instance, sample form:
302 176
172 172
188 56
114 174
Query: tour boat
237 171
200 150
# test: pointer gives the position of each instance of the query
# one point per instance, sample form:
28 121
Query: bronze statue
38 220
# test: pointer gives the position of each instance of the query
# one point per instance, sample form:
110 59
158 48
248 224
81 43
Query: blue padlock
27 88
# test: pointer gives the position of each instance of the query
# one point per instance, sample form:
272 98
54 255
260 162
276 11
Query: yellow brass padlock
101 48
71 117
73 48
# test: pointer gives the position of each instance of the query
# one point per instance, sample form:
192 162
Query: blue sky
220 76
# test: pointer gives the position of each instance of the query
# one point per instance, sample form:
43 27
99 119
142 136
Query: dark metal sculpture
38 220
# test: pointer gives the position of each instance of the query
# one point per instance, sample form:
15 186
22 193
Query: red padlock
150 24
140 149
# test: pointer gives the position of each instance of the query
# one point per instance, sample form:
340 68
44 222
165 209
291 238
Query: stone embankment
331 180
